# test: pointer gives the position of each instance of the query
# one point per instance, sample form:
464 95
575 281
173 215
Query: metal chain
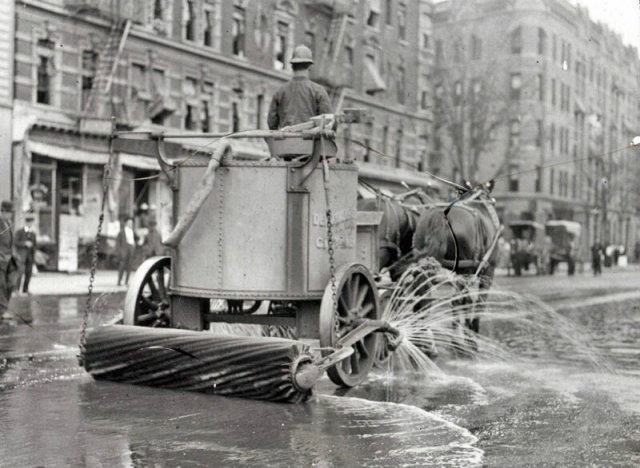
330 243
94 254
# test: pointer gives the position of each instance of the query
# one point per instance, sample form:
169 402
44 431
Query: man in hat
25 241
125 248
299 99
153 241
6 251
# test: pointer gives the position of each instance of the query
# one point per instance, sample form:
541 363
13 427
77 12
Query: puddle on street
533 408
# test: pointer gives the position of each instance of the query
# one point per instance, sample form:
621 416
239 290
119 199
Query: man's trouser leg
4 290
28 270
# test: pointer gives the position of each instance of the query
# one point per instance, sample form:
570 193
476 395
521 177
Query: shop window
41 188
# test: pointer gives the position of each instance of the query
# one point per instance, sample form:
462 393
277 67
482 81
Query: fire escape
100 104
328 70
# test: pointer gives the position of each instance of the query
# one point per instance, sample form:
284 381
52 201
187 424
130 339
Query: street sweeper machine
281 242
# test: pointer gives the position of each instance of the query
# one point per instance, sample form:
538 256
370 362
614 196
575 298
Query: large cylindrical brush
239 366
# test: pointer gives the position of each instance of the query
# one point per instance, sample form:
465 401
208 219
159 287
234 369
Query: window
45 70
542 41
189 20
280 46
373 15
553 92
514 134
552 177
398 147
189 89
516 85
439 51
540 87
89 62
259 110
385 139
389 12
402 21
310 40
208 28
235 117
159 89
457 50
425 41
238 31
457 93
476 47
401 85
539 132
516 41
476 88
206 107
158 13
538 183
139 81
514 184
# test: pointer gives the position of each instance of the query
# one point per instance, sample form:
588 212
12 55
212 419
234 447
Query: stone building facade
564 93
198 66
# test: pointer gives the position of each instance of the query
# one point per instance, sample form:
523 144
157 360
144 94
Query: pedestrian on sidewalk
8 263
25 241
596 257
125 248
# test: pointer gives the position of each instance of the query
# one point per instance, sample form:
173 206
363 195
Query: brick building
198 65
562 91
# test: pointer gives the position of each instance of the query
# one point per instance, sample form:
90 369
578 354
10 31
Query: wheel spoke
362 349
153 288
144 318
355 363
150 304
366 309
161 284
343 304
362 294
354 287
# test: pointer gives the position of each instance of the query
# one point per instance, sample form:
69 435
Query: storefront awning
373 82
64 153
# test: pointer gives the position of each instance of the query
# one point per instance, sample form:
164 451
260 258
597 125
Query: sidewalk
67 284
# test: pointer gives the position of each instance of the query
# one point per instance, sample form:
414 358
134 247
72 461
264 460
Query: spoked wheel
147 301
357 298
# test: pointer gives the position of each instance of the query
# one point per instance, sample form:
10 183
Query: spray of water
434 307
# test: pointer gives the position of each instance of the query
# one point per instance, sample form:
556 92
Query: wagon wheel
357 298
147 301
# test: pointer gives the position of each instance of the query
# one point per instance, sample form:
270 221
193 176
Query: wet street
540 407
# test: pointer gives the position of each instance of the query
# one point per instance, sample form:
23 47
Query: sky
622 16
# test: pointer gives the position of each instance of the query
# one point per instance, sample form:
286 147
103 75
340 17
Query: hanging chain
330 243
96 247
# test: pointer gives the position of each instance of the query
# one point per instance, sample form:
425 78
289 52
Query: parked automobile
529 247
565 239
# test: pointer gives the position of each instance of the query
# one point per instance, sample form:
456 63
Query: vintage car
529 247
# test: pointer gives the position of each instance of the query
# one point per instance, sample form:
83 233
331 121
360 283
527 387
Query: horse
395 231
462 236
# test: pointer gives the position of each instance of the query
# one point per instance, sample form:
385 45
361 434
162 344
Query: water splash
434 309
